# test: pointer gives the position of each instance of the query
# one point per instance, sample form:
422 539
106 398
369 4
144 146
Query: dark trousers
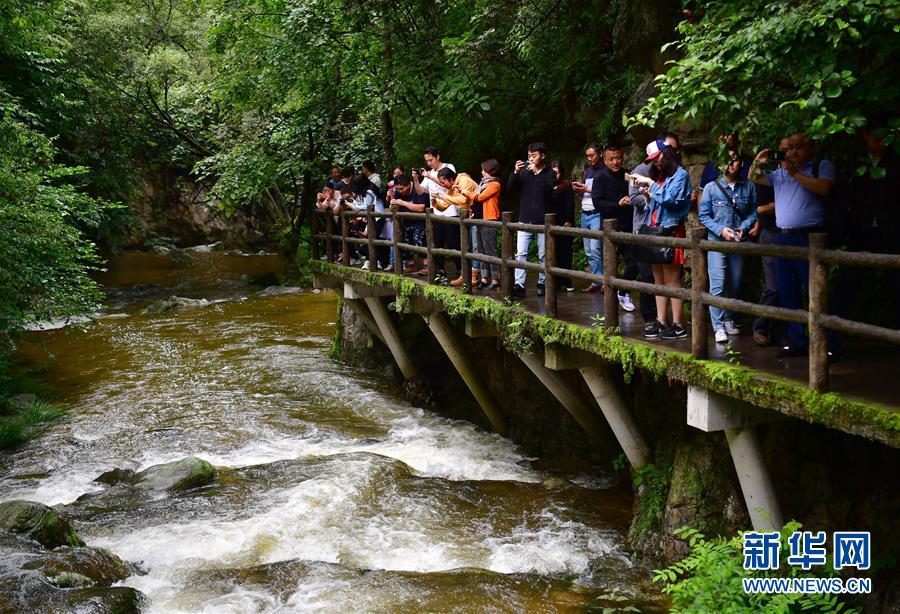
564 258
792 280
446 236
648 301
769 296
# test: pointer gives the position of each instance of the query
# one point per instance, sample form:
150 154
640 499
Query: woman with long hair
366 193
563 205
668 192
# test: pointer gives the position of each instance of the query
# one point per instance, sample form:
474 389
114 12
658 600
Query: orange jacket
489 199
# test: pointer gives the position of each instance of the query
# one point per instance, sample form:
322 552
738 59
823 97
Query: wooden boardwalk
868 371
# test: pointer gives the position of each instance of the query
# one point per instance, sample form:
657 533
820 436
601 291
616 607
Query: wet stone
36 521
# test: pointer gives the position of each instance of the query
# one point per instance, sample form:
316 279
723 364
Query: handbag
655 254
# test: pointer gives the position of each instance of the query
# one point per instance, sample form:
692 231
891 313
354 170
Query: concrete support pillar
391 338
756 485
574 404
362 312
617 415
446 336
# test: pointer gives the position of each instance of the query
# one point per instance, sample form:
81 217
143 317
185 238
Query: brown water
333 493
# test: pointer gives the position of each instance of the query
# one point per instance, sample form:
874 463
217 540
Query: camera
776 155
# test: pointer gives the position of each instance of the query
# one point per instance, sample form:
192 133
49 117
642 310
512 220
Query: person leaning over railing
445 235
728 210
407 200
366 194
668 190
486 206
456 184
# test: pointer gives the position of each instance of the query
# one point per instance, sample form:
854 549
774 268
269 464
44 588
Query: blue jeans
792 279
724 280
593 248
523 240
475 246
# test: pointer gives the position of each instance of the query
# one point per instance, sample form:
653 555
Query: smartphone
776 155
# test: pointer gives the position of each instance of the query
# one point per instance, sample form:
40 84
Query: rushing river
332 492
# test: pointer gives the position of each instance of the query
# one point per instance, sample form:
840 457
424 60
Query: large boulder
175 476
100 566
36 521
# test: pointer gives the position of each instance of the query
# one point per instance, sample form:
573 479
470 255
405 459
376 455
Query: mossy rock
100 566
69 579
176 476
113 600
36 521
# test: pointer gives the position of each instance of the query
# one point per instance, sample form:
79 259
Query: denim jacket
361 204
717 214
672 200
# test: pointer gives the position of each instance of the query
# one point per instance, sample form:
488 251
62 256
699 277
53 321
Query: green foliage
771 68
709 579
23 423
652 483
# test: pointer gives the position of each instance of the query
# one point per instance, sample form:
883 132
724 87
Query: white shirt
434 187
376 179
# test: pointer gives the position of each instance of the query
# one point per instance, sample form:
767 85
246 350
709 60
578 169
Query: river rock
174 302
281 291
69 579
176 476
218 246
99 566
113 600
115 476
36 521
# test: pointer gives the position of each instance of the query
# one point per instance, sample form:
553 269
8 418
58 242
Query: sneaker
354 261
721 336
540 290
441 279
388 267
423 271
519 290
790 351
625 302
366 266
593 288
731 328
651 329
761 339
569 288
673 332
457 282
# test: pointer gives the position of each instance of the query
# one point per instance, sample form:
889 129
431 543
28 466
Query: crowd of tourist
779 197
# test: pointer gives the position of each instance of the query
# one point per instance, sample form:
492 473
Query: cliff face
171 204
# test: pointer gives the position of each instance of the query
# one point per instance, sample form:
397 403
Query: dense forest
106 103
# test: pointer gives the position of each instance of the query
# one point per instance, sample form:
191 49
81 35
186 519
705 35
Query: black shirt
606 192
537 192
562 203
416 199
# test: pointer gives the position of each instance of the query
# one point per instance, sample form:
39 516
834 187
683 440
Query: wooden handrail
816 319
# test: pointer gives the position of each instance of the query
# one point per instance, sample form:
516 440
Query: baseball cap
654 149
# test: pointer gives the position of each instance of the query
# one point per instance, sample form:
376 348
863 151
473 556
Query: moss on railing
519 330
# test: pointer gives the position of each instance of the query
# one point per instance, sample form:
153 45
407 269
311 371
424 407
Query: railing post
371 233
610 270
818 303
507 273
699 285
345 234
314 242
329 230
465 269
550 293
429 242
395 240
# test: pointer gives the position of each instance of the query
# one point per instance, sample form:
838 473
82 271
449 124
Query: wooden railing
819 257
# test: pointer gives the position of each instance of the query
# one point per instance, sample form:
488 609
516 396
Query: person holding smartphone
728 210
